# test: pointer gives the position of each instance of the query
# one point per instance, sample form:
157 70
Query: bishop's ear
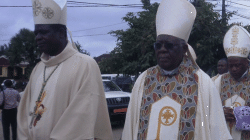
62 33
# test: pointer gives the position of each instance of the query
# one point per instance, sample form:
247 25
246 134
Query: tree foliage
134 50
207 35
3 49
79 47
22 48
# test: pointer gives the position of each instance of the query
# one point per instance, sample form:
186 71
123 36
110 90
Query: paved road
117 130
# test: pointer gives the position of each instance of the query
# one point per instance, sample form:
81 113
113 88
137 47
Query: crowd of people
64 98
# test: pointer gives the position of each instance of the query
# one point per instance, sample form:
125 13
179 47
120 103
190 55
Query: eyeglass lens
158 45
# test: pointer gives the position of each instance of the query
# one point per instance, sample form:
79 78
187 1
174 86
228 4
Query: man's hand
229 115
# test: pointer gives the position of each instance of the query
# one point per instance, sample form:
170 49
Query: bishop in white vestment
234 85
175 99
64 99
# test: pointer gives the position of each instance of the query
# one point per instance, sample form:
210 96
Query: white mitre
176 18
50 11
237 42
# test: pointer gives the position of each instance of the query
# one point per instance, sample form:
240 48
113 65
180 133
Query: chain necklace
34 114
232 103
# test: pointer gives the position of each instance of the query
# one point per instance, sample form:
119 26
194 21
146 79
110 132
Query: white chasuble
164 120
43 124
210 122
73 104
234 94
180 95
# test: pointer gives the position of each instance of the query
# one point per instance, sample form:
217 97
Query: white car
117 100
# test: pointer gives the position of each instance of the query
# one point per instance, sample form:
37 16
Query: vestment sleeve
23 111
86 116
217 83
212 111
131 123
217 118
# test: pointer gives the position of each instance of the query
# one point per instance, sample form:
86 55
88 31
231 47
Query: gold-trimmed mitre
176 18
237 42
50 11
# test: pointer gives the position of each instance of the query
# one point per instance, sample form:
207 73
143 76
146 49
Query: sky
90 25
241 7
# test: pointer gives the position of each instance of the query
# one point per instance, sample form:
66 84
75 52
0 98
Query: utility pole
223 12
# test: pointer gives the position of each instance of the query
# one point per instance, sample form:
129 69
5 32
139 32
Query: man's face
47 39
222 67
237 66
169 51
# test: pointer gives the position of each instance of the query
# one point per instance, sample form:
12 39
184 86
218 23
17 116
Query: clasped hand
229 115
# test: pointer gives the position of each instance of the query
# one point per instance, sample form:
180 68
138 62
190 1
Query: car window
106 77
110 86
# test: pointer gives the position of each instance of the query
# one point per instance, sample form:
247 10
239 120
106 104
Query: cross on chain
34 115
41 96
38 104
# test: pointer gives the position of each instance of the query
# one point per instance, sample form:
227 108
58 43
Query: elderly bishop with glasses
174 99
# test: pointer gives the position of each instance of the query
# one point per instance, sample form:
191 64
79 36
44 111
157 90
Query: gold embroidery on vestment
40 109
234 41
236 104
167 117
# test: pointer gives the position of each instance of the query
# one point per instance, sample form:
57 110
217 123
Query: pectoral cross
41 96
34 115
38 104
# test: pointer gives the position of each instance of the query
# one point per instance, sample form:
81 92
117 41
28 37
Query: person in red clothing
11 98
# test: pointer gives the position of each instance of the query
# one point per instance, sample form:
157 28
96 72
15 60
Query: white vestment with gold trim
210 122
238 101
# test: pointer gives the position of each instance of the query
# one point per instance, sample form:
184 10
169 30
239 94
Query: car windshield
110 86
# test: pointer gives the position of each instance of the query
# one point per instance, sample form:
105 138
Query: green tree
207 35
134 50
3 49
22 48
79 47
113 63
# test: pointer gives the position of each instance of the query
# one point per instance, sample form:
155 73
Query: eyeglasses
167 45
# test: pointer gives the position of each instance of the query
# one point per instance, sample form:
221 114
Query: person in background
9 112
221 67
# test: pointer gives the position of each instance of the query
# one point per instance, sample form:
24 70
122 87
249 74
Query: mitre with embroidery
237 42
50 11
176 18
